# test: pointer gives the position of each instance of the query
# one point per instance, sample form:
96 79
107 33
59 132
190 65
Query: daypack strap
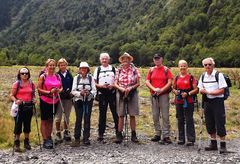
89 78
190 80
19 83
99 71
165 72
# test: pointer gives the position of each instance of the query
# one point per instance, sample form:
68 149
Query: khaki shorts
132 105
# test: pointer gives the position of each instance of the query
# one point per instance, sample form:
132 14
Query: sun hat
23 70
83 64
125 54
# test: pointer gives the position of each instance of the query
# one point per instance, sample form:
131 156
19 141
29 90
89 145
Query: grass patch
144 121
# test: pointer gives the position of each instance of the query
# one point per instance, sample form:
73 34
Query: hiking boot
119 138
212 146
189 143
134 137
100 138
75 143
47 144
17 146
58 138
27 146
223 148
86 141
181 142
66 135
156 138
165 140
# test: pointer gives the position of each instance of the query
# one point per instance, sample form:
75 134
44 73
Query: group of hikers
117 88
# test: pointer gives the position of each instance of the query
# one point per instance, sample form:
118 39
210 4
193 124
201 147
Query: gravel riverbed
127 152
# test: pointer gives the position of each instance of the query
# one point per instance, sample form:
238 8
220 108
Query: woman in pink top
23 94
49 85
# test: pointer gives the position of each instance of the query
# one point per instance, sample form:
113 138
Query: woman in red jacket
184 87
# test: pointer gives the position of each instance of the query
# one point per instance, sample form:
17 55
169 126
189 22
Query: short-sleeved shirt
210 83
106 75
24 93
158 77
127 76
184 84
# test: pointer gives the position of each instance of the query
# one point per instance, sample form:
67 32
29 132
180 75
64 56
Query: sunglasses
24 73
207 65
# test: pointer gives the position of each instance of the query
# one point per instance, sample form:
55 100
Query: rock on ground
127 152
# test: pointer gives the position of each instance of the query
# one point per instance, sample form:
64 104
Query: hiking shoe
100 138
119 138
47 144
223 148
212 146
165 140
75 143
189 143
27 146
180 142
156 138
17 146
134 137
86 141
66 135
58 138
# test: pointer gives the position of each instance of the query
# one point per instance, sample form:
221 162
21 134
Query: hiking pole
126 121
14 136
63 111
85 106
35 113
201 130
53 123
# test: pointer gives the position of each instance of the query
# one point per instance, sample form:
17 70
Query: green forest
33 30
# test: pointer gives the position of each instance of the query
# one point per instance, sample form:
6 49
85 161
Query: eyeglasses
24 73
207 65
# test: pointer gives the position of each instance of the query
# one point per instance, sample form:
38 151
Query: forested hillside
33 30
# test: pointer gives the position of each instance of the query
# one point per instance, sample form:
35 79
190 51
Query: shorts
132 104
46 110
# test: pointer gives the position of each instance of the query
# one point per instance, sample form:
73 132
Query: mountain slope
80 30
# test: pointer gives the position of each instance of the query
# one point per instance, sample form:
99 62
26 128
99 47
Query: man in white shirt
104 77
214 110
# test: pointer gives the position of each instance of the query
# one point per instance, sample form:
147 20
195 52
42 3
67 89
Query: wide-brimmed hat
125 54
83 64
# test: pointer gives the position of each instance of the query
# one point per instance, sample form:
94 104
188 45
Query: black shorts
215 116
47 110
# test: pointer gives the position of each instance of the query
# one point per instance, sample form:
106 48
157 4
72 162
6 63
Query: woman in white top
83 90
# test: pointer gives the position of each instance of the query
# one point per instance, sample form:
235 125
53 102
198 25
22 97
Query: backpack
194 96
132 92
228 81
98 72
134 71
89 78
44 77
165 72
19 83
